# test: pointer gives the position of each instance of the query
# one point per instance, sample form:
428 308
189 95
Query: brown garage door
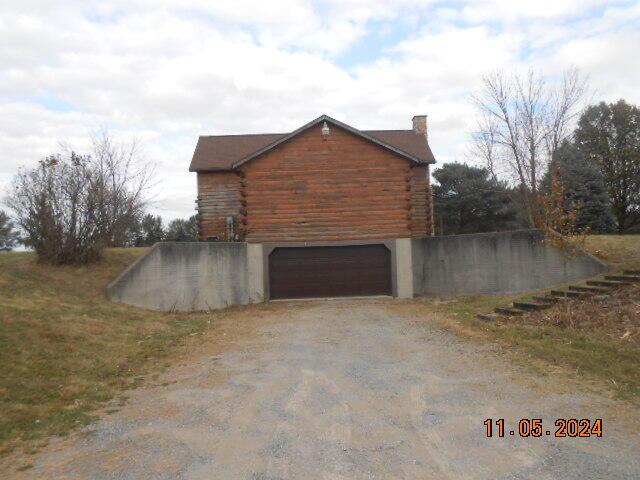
303 272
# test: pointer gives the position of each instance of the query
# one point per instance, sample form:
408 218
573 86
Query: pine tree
584 186
609 135
150 231
180 230
8 236
469 200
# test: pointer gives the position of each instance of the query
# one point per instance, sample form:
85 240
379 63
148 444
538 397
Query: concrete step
531 306
631 272
568 293
509 312
606 283
549 299
596 290
489 316
623 278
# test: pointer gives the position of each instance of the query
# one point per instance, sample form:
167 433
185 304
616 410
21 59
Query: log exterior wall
315 188
219 197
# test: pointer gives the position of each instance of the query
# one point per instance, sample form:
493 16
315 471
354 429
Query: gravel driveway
339 390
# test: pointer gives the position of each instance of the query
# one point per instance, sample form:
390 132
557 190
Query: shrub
70 207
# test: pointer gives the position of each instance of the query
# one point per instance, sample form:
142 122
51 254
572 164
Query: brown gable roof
408 141
226 152
220 152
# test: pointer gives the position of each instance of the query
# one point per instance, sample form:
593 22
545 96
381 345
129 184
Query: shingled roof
226 152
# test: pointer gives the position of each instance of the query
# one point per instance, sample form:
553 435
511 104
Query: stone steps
509 312
549 299
580 288
532 306
568 293
598 288
605 283
623 278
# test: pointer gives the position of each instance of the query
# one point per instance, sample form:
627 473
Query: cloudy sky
166 71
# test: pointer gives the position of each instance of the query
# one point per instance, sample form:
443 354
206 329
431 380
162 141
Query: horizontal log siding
430 219
341 187
421 202
218 198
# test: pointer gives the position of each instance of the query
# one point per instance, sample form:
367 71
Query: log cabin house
327 198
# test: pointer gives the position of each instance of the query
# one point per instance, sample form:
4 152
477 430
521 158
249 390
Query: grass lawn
598 338
64 348
620 251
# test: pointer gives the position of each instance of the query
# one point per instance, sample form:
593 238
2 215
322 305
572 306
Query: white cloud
167 71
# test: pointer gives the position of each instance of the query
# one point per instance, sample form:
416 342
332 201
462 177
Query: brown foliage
560 219
616 315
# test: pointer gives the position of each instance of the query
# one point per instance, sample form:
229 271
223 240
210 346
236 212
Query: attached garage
329 271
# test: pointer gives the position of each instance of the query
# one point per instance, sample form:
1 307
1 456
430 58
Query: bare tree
70 207
523 120
121 182
484 146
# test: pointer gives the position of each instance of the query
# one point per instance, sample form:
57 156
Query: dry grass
65 349
598 338
620 251
618 315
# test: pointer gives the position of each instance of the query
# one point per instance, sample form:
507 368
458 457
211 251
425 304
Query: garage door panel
302 272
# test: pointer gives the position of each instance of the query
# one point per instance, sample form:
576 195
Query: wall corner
404 268
255 270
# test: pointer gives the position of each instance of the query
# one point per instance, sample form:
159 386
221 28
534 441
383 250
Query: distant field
64 348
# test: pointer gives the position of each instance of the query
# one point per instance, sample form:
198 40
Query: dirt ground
340 390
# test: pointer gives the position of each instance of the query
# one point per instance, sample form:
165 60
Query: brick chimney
420 124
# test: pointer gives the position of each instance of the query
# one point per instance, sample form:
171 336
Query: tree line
142 232
150 229
538 171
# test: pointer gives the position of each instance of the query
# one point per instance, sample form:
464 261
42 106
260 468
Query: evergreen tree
150 231
609 135
8 236
585 187
180 230
469 200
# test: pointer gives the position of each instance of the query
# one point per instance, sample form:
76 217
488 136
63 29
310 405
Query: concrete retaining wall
191 276
208 276
493 263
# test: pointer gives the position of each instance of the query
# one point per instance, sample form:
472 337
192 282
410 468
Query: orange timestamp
533 427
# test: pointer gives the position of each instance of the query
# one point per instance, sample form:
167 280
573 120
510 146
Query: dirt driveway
340 390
